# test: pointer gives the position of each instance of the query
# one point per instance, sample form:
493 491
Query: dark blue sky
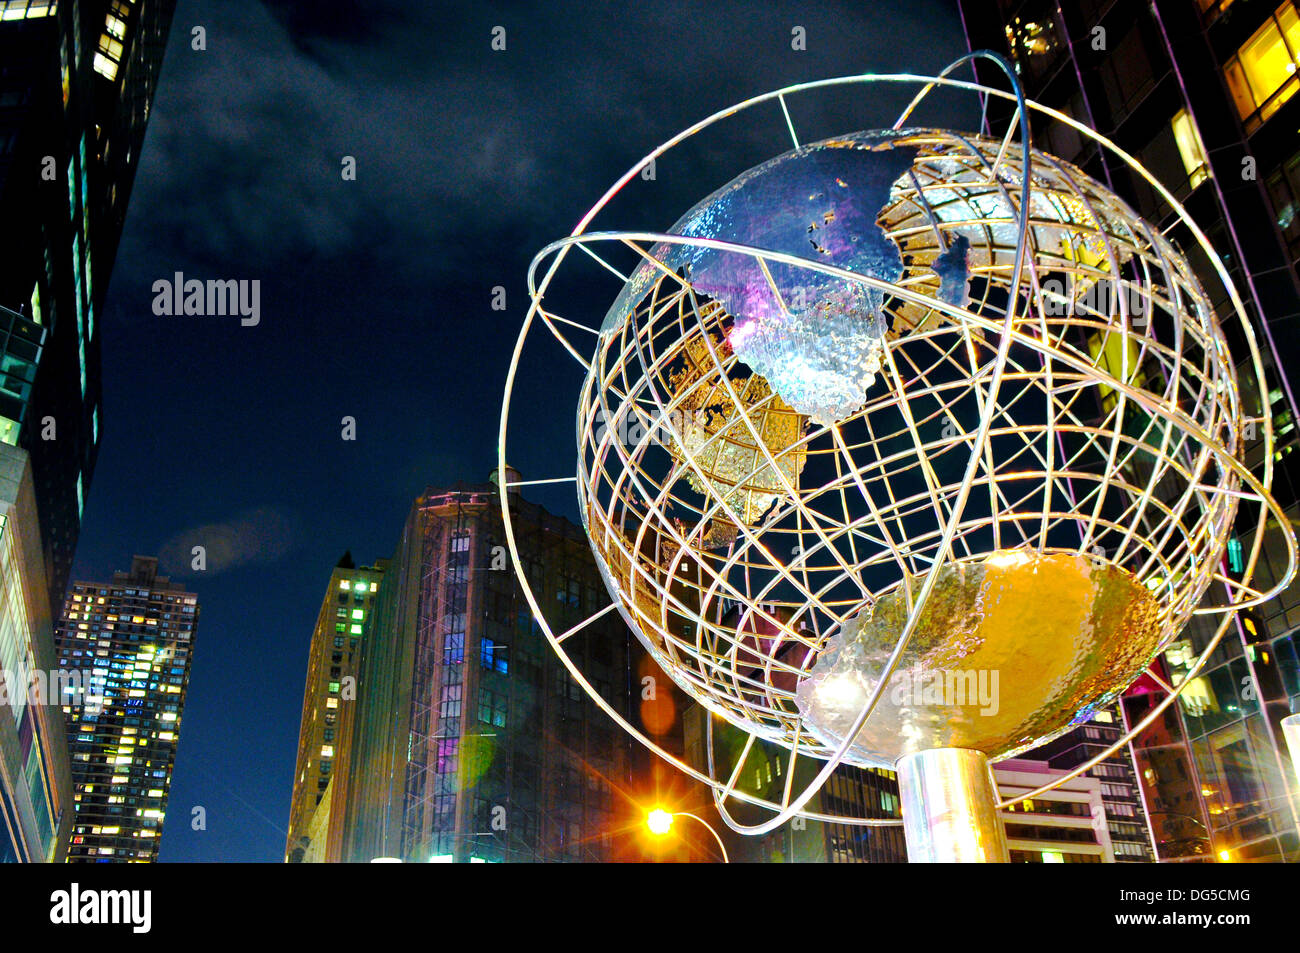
375 293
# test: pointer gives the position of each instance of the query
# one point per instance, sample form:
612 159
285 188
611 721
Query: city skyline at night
270 300
241 179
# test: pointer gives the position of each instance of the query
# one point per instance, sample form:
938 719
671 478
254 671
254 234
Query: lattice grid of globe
807 405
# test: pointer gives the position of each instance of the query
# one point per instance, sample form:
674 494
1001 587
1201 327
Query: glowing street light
660 822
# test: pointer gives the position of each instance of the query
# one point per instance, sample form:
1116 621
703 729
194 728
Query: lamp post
660 822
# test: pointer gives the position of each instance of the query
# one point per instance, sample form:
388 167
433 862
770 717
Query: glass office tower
1203 93
75 94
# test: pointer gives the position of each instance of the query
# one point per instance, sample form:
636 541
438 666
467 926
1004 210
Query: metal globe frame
1213 439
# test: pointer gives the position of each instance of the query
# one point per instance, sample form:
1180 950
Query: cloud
262 535
459 149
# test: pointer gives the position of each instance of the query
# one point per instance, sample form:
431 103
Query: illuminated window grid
121 797
27 9
112 40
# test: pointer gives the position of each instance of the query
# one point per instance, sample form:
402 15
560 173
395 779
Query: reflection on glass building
1203 93
131 640
35 783
470 741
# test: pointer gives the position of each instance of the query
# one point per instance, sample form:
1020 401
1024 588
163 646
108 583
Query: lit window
327 751
27 9
105 67
1262 74
1189 148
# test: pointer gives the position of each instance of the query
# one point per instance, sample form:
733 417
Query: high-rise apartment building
78 81
323 739
471 742
132 640
1203 93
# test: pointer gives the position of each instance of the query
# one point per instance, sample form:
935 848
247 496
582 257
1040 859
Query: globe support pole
1291 730
949 808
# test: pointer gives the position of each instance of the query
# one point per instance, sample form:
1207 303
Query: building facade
850 792
78 82
1121 795
35 779
323 742
1202 92
1067 825
470 740
132 641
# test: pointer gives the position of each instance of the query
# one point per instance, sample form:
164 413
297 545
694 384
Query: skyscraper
324 738
75 94
471 742
1203 92
133 639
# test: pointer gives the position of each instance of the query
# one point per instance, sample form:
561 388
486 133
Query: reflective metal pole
1291 729
949 808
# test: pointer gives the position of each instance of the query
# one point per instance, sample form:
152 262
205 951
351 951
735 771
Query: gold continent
715 436
1009 649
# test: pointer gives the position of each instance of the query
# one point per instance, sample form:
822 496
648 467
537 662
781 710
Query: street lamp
660 822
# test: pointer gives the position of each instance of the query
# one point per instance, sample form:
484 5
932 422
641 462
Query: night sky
376 293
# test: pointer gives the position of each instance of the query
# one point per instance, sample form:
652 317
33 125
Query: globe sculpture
935 445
